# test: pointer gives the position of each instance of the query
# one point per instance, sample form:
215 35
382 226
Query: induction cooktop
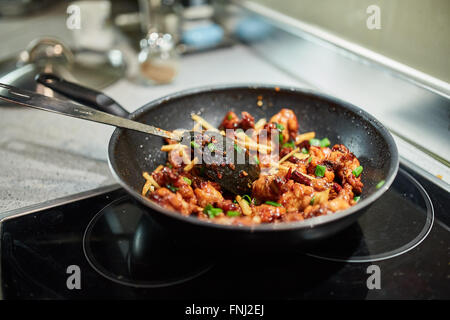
97 245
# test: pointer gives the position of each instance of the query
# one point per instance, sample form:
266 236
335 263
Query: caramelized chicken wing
288 119
207 194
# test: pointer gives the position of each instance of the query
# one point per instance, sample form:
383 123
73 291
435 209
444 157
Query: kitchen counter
45 156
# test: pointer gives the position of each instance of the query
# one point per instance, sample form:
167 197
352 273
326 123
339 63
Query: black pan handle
86 96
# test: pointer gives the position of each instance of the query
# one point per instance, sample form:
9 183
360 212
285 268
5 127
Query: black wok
131 153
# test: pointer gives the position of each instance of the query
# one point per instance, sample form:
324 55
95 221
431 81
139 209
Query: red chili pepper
298 177
294 160
337 187
288 175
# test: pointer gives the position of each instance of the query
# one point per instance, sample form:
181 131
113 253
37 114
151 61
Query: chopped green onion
194 144
172 188
289 144
247 198
256 160
312 200
310 159
216 211
170 165
237 148
211 211
188 181
380 184
314 142
272 203
305 151
357 198
229 117
211 147
325 142
232 213
280 127
357 171
320 170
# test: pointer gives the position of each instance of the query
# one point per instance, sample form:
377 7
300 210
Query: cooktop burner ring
198 270
417 240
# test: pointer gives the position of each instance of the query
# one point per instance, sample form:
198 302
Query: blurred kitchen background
390 58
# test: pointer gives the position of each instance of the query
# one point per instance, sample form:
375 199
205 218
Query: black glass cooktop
106 246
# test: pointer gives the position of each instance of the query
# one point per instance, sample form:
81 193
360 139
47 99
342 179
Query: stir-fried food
302 175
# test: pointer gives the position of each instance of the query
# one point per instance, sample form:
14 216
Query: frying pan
130 153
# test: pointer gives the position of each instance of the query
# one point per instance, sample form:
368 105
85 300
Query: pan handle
86 96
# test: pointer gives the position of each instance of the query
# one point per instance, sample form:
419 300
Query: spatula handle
71 109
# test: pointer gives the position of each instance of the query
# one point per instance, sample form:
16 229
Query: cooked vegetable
304 137
211 211
320 170
290 154
194 144
191 165
204 123
300 156
149 184
247 198
280 127
314 142
245 207
289 144
357 171
170 147
380 184
232 213
172 188
325 142
272 203
211 147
